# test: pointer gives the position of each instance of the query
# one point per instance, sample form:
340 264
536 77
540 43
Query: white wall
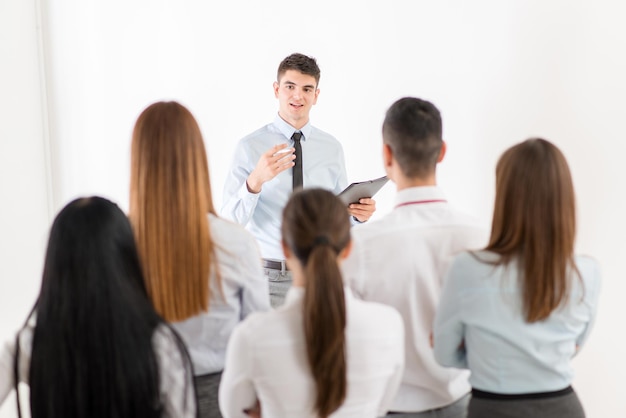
24 168
500 71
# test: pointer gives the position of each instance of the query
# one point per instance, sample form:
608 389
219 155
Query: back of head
92 354
170 199
412 129
316 228
301 63
534 222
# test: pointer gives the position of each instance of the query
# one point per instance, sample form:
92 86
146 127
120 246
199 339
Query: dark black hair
412 128
301 63
92 352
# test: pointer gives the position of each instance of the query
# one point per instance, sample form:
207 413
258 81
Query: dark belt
521 396
275 264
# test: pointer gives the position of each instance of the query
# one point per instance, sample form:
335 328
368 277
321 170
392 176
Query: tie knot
296 136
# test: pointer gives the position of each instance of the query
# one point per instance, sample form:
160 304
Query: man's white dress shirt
267 360
323 166
400 260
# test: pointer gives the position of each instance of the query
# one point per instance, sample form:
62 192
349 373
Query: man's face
296 94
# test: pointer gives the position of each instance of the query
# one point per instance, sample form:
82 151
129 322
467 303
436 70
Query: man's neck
407 182
296 124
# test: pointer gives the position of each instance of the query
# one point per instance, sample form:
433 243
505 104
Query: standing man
400 260
285 154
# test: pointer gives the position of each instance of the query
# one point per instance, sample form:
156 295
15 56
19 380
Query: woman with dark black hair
94 345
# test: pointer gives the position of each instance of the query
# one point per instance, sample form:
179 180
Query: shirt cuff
355 221
246 194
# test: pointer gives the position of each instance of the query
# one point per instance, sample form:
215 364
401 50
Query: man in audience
400 260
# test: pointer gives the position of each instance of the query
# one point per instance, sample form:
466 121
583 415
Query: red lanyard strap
419 202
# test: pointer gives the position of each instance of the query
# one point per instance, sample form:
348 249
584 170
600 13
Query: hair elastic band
320 240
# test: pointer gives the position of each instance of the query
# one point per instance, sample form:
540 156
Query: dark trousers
564 405
207 387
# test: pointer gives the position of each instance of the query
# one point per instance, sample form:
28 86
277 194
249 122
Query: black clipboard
356 191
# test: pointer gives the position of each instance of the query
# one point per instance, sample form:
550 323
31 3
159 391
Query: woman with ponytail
94 347
323 353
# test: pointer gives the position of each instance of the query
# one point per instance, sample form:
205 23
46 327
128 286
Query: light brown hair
170 200
534 223
316 228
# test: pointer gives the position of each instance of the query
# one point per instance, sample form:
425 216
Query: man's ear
286 249
346 251
387 155
276 87
442 152
317 93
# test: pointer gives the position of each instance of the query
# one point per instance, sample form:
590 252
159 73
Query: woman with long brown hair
516 312
203 273
323 352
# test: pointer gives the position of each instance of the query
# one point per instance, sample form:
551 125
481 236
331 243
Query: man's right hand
273 162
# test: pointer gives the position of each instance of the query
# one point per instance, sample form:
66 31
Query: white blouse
245 290
267 361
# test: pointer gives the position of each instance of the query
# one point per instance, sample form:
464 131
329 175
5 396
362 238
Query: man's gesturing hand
273 162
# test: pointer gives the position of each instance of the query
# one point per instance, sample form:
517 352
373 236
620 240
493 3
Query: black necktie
297 168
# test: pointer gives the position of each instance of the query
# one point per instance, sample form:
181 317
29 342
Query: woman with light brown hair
203 273
517 312
323 352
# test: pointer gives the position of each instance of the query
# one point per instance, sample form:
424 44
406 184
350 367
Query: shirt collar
295 294
287 130
419 194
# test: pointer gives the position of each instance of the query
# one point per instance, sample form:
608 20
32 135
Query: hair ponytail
316 228
324 326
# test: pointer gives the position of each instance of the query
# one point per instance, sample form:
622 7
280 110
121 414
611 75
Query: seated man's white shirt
400 260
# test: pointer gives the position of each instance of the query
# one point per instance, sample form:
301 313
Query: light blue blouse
480 326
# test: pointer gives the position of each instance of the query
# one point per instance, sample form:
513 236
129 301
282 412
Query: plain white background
76 74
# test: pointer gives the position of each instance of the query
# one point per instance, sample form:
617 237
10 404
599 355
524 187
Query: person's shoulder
321 135
226 228
258 325
370 230
230 234
470 265
587 261
589 269
468 229
258 133
465 259
163 335
463 218
166 342
374 313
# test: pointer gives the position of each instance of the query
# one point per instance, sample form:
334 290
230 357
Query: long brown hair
534 223
170 199
316 228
